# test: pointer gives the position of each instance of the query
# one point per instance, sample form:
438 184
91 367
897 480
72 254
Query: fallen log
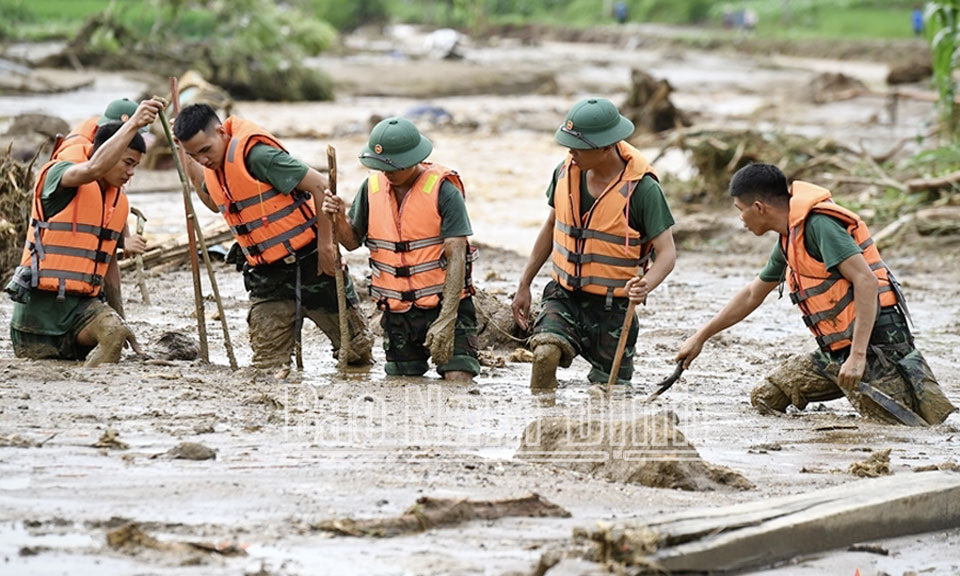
938 221
179 247
760 533
922 184
430 513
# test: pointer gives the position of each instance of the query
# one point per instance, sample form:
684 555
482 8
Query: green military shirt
454 221
44 314
277 281
649 213
826 240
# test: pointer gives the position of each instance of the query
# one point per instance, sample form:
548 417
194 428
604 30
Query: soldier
849 299
267 198
412 216
608 220
69 261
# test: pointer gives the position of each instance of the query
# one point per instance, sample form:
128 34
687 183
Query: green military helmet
395 144
593 123
120 111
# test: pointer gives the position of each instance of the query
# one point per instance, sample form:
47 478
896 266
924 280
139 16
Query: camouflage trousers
590 328
63 346
272 324
896 372
404 334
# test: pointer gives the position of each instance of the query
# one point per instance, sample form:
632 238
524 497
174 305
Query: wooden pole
191 238
621 346
344 353
192 216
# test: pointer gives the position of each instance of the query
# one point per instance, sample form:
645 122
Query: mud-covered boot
543 376
361 340
110 333
769 399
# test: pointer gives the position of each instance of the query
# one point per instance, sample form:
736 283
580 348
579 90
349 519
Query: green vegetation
39 19
943 31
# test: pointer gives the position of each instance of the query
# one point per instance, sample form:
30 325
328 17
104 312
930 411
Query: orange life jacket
268 224
69 252
81 136
599 252
826 297
406 248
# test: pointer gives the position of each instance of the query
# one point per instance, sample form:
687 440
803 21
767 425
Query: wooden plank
759 533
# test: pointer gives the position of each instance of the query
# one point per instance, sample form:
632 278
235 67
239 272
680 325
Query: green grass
840 22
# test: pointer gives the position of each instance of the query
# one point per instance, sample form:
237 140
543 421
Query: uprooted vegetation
241 46
880 186
15 193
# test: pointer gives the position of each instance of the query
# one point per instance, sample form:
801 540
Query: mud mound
649 107
15 193
829 86
649 450
28 132
495 327
177 346
917 68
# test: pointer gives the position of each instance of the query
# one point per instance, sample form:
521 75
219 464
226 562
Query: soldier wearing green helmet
412 216
608 236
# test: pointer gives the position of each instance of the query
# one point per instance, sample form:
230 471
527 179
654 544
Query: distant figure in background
916 17
749 20
620 12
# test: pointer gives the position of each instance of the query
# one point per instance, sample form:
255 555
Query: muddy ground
295 451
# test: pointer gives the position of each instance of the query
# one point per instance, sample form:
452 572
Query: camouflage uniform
272 314
894 367
588 329
404 335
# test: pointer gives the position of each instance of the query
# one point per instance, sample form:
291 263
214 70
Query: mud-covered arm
739 307
440 335
316 184
865 287
542 249
111 287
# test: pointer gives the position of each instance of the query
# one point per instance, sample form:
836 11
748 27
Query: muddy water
292 452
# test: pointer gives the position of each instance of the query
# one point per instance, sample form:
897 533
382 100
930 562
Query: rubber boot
110 333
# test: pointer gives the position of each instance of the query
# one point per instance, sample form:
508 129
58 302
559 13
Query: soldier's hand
440 338
332 205
134 244
146 113
637 290
521 307
852 371
689 351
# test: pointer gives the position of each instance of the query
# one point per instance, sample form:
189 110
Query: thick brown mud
295 449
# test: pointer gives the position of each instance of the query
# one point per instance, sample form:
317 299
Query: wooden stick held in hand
192 218
344 353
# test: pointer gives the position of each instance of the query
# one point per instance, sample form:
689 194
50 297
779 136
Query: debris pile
649 107
16 180
430 513
833 86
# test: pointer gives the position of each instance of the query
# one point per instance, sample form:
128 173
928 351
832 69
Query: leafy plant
942 24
